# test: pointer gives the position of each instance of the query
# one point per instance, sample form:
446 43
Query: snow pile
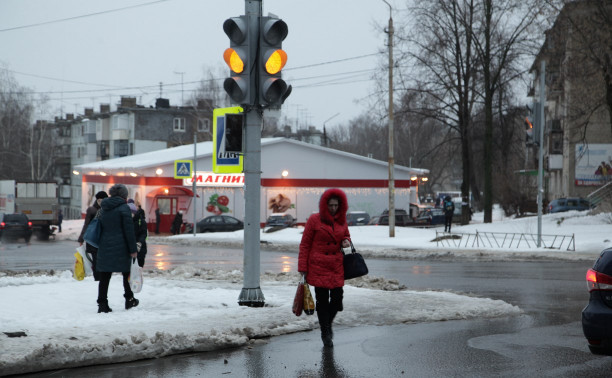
187 309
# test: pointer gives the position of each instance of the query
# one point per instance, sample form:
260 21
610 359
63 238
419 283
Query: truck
38 200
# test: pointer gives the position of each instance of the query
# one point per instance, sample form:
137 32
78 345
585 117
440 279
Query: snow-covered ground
188 309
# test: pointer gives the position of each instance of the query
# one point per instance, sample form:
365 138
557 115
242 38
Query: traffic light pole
251 294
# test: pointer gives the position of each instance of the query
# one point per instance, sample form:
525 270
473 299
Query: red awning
172 191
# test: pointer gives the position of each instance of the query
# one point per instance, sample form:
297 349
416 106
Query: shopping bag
92 234
86 260
309 305
298 301
79 270
354 265
135 276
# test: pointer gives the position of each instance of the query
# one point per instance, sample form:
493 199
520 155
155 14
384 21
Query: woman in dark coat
90 214
117 246
140 232
321 260
177 223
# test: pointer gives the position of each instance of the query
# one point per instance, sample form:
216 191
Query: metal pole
540 148
251 294
194 177
391 158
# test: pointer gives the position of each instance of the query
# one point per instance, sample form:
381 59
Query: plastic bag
298 301
309 305
86 260
79 269
135 276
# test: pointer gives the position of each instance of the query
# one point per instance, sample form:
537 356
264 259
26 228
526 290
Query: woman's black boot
326 335
103 307
131 302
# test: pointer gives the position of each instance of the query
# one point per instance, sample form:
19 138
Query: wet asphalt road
545 341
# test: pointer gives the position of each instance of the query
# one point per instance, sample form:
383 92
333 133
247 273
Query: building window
204 125
121 148
179 124
103 149
556 142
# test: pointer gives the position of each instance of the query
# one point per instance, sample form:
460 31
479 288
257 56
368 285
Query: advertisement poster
593 164
281 201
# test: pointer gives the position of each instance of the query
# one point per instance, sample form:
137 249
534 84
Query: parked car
566 204
216 223
281 220
357 218
431 216
15 226
383 220
597 315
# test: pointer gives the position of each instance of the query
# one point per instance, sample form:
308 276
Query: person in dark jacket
90 214
449 210
320 258
117 246
140 230
157 220
60 219
177 223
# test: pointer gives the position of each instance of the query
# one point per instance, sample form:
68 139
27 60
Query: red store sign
216 179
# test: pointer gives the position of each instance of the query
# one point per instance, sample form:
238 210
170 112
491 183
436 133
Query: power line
81 16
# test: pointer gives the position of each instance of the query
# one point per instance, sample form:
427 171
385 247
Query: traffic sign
224 161
183 169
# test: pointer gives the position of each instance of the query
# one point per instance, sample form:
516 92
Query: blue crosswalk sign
183 169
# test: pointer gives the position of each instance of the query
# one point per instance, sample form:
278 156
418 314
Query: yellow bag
309 305
79 268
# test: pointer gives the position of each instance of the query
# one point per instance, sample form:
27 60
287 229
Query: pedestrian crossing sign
183 169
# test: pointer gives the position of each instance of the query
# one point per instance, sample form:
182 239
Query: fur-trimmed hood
340 216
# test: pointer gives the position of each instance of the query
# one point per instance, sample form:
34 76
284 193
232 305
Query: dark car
217 223
597 315
383 220
431 216
15 226
566 204
357 218
281 220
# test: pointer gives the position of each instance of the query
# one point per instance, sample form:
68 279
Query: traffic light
239 59
272 90
528 132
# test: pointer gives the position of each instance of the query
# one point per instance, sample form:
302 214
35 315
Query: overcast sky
110 48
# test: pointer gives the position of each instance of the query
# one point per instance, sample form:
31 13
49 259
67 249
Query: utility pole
391 157
540 148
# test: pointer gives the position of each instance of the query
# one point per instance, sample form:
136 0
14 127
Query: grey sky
139 47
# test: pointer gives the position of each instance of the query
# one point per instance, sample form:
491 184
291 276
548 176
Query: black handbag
354 265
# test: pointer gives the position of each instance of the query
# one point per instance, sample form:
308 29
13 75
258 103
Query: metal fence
504 240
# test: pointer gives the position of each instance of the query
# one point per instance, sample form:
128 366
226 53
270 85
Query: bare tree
16 108
437 58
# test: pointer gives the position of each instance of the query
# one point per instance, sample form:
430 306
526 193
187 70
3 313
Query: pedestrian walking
117 246
140 232
320 258
157 220
177 223
60 218
90 214
449 210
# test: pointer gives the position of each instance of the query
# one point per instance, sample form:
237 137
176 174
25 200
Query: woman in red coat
320 259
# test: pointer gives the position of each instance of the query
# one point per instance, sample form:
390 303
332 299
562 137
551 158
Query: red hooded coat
320 250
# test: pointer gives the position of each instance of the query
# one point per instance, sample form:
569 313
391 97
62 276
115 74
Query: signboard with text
224 161
216 179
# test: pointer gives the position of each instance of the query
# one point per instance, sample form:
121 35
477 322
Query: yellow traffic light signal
275 61
240 58
233 60
272 89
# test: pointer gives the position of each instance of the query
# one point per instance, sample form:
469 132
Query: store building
294 175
